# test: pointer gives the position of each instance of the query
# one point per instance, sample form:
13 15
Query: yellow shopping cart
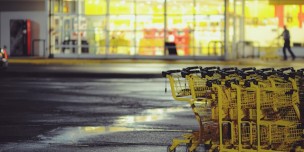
244 109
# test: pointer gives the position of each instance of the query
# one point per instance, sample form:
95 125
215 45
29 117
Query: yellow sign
286 2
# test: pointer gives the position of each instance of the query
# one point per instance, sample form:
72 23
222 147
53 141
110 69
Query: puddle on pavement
72 135
148 116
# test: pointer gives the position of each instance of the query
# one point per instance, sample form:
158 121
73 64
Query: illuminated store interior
141 28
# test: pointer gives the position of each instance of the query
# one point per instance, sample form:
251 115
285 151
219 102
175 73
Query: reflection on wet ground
149 115
129 123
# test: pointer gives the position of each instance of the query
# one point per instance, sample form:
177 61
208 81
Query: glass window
64 33
207 7
64 6
121 41
150 34
95 7
179 26
100 41
55 34
92 33
291 14
121 34
121 7
208 27
55 6
150 21
209 31
122 22
231 6
180 7
260 18
179 23
150 41
149 7
238 8
70 6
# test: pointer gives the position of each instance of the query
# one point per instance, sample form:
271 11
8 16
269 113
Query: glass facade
198 28
137 27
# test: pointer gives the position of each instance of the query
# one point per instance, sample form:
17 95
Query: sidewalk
237 62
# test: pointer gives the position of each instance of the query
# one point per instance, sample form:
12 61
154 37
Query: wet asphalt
70 112
97 107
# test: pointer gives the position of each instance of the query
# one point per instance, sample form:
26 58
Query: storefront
217 29
264 21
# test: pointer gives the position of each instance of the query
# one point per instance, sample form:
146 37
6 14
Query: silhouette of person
286 37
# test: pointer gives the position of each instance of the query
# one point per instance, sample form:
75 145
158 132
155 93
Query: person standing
286 37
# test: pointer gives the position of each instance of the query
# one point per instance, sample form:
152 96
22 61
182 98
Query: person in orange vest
4 53
4 57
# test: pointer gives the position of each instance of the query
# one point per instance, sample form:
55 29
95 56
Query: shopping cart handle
302 70
245 74
207 73
232 72
187 72
266 69
248 69
209 83
251 72
286 69
265 75
192 68
286 76
261 71
223 74
165 73
229 69
211 68
229 82
292 75
290 92
300 73
247 83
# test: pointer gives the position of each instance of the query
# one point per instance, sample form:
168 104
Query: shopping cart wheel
216 149
297 145
271 147
168 149
208 144
188 148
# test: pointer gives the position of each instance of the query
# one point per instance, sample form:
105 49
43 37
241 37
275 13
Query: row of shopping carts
241 109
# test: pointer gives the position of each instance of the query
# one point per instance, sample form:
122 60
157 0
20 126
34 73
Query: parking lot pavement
80 107
89 114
